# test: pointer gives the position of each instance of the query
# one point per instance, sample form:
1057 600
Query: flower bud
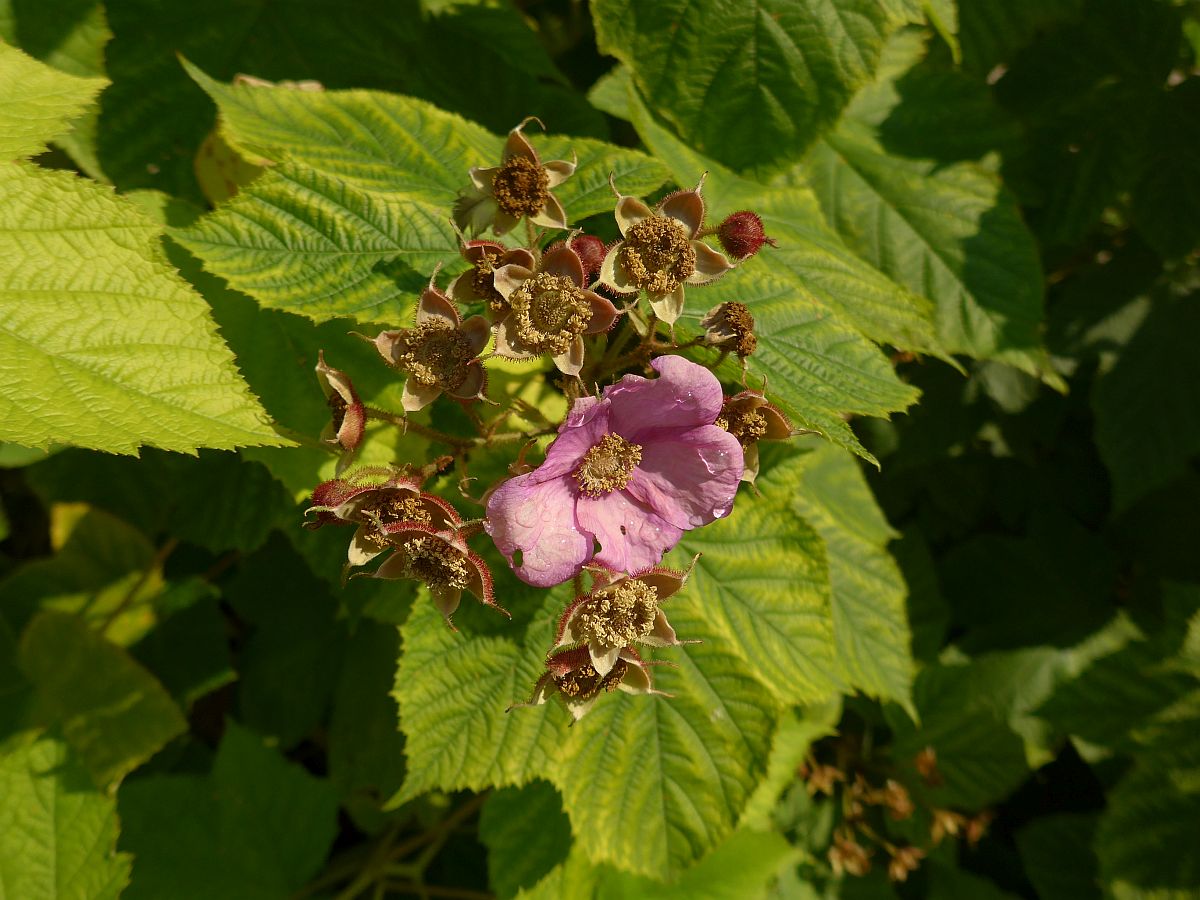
741 234
591 252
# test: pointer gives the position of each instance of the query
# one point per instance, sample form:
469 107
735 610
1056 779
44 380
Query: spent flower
519 188
439 353
348 421
571 676
621 612
550 310
631 470
441 560
659 251
750 418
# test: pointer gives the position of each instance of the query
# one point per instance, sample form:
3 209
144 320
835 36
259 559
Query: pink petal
685 395
692 481
632 535
585 426
538 520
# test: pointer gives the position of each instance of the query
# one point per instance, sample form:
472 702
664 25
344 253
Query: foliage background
987 215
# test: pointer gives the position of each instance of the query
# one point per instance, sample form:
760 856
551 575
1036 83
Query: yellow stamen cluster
607 466
394 507
619 616
434 353
521 187
657 254
436 563
550 312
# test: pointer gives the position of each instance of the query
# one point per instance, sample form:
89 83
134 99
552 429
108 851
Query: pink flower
632 471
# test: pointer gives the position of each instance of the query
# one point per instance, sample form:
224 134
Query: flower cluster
651 445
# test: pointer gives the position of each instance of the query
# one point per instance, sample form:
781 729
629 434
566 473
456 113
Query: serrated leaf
869 620
37 102
113 712
949 232
76 265
257 827
655 783
361 196
453 691
526 833
764 582
747 84
57 832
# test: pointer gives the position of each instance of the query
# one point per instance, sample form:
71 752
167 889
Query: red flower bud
741 234
591 251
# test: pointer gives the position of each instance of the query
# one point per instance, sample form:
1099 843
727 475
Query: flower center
434 353
521 187
485 286
586 682
436 563
658 255
551 311
747 425
617 617
607 466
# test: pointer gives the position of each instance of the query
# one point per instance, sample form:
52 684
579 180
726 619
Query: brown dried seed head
657 255
434 353
730 326
521 187
483 283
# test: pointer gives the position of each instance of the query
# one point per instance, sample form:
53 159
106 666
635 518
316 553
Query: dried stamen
607 466
521 187
550 312
658 255
730 326
586 682
337 404
747 425
436 563
619 616
434 353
